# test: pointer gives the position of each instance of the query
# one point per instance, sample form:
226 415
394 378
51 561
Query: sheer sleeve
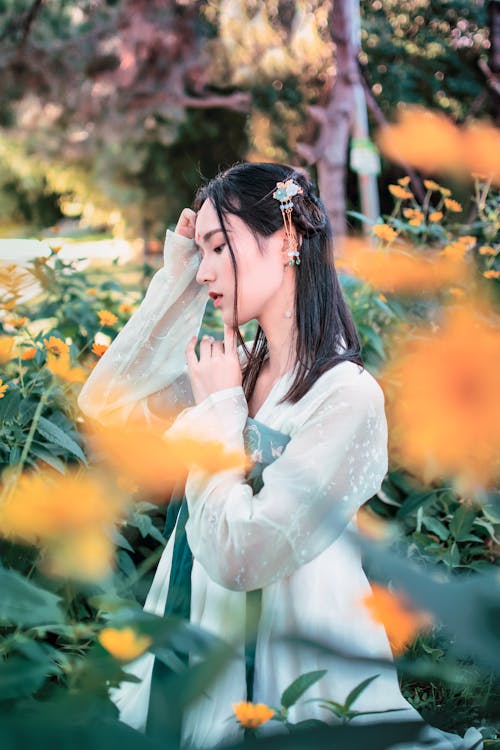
334 462
144 374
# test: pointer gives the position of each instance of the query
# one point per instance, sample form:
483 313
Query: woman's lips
218 301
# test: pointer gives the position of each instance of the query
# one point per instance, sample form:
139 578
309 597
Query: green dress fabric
263 445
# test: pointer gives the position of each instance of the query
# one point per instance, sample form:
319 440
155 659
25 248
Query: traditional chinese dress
291 540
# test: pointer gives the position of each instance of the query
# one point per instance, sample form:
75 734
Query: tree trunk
494 56
332 146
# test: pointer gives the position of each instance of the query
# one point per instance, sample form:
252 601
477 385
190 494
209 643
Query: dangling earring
288 313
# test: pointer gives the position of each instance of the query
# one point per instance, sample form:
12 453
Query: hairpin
284 193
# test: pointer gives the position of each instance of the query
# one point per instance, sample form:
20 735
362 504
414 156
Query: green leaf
49 458
299 686
23 603
9 404
20 677
437 528
356 692
52 432
462 521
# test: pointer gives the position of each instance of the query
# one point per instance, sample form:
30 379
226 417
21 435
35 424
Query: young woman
259 241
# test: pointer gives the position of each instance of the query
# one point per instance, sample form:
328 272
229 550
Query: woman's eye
219 249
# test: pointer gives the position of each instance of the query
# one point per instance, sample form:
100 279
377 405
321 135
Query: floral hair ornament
284 193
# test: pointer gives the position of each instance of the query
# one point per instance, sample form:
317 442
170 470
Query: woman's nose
204 274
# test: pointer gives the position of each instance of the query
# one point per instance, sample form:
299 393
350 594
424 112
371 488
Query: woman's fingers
191 357
206 347
186 223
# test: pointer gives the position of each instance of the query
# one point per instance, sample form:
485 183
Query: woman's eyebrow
208 235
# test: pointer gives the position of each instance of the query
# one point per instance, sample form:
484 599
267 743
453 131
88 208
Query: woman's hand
186 223
218 366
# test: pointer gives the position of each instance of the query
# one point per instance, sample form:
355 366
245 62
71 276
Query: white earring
288 313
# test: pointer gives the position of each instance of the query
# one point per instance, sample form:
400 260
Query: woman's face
260 270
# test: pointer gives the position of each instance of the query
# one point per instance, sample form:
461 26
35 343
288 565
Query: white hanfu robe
292 539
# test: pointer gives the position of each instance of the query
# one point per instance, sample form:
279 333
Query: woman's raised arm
143 375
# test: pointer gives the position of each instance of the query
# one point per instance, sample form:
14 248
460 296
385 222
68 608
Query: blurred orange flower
99 349
107 318
400 269
435 216
400 619
415 216
69 516
125 308
384 232
3 388
481 150
29 353
491 274
6 349
252 715
92 291
453 205
443 403
431 185
487 250
400 193
16 322
156 462
425 139
124 644
56 346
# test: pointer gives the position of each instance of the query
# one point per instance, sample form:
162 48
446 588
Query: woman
259 241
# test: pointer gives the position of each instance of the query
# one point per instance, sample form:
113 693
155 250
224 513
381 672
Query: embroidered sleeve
334 462
143 374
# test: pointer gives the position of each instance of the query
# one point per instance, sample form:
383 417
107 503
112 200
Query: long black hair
326 332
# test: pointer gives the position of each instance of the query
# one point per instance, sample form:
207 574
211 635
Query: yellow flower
491 274
400 619
415 216
252 715
107 318
124 644
404 181
452 205
487 250
99 349
29 353
56 346
3 388
92 291
435 216
6 349
445 192
443 404
125 308
398 192
384 232
431 185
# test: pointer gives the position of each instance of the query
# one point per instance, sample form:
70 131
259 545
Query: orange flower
125 308
16 322
382 297
107 318
156 462
404 181
487 250
435 216
456 291
454 251
384 232
29 353
99 349
444 192
56 346
452 205
252 715
400 619
56 248
467 240
416 217
443 404
6 349
124 644
431 185
3 388
92 291
70 516
491 274
481 150
400 193
427 140
400 269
